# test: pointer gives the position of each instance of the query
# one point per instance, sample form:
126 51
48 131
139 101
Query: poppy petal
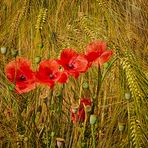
85 102
104 57
97 45
75 74
49 73
81 63
20 65
67 55
92 56
19 72
81 114
72 62
63 78
73 117
94 50
24 88
97 52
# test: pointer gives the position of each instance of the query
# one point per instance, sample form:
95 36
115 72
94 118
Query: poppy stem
51 99
93 137
20 126
98 88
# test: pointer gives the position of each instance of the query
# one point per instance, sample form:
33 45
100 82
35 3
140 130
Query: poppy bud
37 59
94 97
93 119
120 126
127 95
106 65
25 139
87 108
85 85
11 87
3 50
83 145
40 46
60 142
21 137
74 108
14 53
52 134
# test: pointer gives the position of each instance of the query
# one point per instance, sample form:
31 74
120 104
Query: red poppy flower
97 52
72 62
80 114
20 73
49 72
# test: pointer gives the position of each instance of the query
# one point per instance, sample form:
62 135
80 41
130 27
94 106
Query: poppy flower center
51 76
22 78
60 68
70 66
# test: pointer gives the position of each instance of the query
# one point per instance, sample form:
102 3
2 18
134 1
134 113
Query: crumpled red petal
81 63
104 57
49 73
80 115
63 78
17 68
97 52
78 62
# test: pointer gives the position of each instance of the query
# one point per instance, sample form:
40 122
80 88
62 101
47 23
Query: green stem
51 143
109 67
99 80
51 100
50 107
98 88
72 136
128 110
84 128
93 136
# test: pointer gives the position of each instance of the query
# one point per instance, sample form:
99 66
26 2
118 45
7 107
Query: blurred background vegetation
42 28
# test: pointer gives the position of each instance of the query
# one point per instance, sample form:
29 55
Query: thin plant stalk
93 136
84 127
98 89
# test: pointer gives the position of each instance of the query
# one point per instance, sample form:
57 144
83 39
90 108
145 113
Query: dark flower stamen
22 78
51 76
60 68
70 66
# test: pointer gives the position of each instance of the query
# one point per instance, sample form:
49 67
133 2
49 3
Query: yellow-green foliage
43 28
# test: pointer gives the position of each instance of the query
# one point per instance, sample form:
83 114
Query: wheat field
41 118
